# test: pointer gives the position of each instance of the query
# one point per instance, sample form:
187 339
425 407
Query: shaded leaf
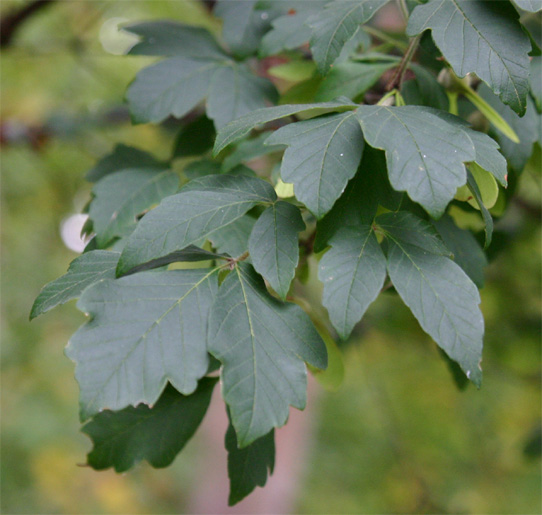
287 33
536 80
119 198
425 153
248 150
333 26
424 90
488 156
262 344
322 156
233 238
274 246
483 37
84 270
145 330
195 139
157 434
248 467
488 220
203 206
353 273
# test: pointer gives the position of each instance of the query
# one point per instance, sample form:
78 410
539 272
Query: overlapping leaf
483 37
353 272
203 206
85 270
145 330
437 291
288 32
233 238
119 198
335 25
248 467
262 344
274 247
425 153
123 438
322 156
529 5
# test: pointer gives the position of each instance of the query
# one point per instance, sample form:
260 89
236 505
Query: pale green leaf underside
335 25
120 197
353 273
532 6
85 270
262 344
145 330
274 247
203 206
425 153
483 37
123 438
322 156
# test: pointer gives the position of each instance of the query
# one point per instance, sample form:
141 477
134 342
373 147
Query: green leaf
465 248
234 92
274 246
335 25
239 128
145 330
201 168
526 128
157 434
488 156
425 153
353 273
85 270
333 376
532 6
424 90
233 238
122 157
351 79
203 206
248 150
248 467
195 139
536 81
293 71
488 220
119 198
442 297
483 37
169 88
167 38
262 344
322 156
287 33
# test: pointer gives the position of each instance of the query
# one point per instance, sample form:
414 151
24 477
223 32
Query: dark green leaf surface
322 156
168 38
425 153
335 25
488 156
239 128
248 150
233 238
119 198
424 90
248 467
169 88
536 80
157 434
123 157
288 32
274 247
465 248
262 344
195 138
443 299
203 206
483 37
234 92
486 215
353 273
529 5
85 270
350 79
145 330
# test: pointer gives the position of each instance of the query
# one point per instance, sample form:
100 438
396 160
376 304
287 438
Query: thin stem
372 31
404 9
397 80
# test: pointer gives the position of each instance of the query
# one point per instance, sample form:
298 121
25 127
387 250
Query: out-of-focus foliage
395 438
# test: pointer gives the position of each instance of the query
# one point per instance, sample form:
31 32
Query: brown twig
13 21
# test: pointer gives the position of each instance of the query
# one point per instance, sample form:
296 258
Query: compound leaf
262 344
123 438
248 467
322 156
274 247
119 198
353 273
483 37
424 151
203 206
85 270
145 330
333 26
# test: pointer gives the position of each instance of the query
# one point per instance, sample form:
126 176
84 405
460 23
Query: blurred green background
398 437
